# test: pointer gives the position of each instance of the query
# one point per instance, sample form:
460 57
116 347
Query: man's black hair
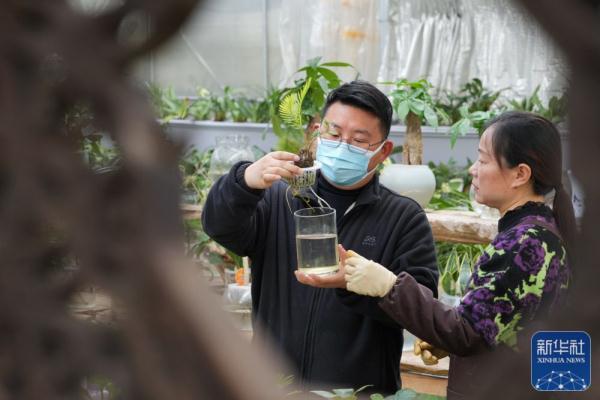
363 95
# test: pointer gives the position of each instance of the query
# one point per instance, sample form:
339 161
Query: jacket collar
527 210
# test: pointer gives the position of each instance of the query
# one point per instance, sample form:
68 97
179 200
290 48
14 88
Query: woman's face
491 182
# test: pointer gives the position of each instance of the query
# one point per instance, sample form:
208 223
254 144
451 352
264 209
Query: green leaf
403 109
459 128
314 62
331 77
417 107
464 111
290 108
448 283
403 394
336 64
344 393
430 116
480 116
323 393
376 396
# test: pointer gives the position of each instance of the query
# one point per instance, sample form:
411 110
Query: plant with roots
290 112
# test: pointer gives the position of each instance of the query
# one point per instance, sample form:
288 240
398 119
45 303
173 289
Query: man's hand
272 167
325 281
366 277
429 354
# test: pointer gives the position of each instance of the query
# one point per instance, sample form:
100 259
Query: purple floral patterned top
521 274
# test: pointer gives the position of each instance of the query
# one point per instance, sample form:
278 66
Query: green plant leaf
403 109
464 111
332 78
323 393
403 394
314 62
344 393
430 116
337 64
479 116
290 108
459 128
417 107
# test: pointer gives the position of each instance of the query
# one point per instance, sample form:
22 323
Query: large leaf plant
321 78
413 105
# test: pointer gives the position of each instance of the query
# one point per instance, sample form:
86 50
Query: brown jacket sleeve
413 306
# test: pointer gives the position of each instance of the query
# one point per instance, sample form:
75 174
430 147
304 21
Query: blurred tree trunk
412 152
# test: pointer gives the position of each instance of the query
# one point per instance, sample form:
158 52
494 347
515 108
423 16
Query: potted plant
290 113
456 262
412 104
469 109
318 80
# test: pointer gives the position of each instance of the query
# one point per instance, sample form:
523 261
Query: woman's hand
366 277
429 354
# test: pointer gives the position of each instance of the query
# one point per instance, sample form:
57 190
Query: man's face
356 127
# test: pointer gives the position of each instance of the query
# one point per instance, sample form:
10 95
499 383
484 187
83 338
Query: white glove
367 277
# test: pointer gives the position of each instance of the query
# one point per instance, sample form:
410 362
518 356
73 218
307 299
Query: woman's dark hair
521 137
363 95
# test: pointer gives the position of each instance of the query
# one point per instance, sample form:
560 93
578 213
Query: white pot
414 181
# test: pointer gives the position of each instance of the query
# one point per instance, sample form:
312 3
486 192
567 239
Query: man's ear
522 175
386 150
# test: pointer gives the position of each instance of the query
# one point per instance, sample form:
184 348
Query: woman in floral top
522 275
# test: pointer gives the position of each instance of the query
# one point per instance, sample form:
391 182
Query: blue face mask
342 166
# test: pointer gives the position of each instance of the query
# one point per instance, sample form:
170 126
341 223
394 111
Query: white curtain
452 41
337 30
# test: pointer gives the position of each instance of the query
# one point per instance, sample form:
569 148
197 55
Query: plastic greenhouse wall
249 44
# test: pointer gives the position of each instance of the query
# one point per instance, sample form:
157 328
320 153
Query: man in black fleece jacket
333 338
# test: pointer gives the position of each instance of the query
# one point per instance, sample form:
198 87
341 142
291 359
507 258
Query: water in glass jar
317 254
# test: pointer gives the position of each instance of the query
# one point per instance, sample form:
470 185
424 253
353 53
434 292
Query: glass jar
230 149
316 240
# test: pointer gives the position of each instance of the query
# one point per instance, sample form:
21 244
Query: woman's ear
522 175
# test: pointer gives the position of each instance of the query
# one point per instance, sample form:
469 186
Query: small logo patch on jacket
369 240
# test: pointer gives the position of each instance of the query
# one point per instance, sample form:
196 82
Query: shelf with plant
474 105
460 114
232 105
